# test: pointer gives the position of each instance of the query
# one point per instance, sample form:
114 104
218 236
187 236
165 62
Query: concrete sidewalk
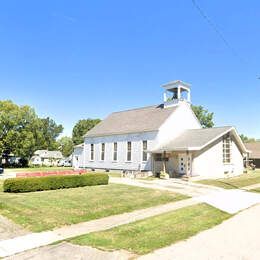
251 187
231 201
236 238
22 243
9 229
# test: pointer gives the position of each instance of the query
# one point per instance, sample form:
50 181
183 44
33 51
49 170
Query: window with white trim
102 151
227 149
144 151
92 152
129 151
115 152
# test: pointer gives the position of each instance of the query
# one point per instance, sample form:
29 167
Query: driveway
175 185
236 238
8 229
230 201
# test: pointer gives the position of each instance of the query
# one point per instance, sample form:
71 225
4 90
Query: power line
217 31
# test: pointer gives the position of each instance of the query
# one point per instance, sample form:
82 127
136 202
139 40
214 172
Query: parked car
67 164
61 163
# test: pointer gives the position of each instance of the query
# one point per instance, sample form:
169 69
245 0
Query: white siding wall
78 153
237 159
209 162
121 163
183 118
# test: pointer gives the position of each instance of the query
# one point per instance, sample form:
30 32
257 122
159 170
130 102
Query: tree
65 146
49 131
205 117
81 128
246 139
22 131
16 135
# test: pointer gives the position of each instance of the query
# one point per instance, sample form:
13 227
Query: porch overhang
198 139
169 150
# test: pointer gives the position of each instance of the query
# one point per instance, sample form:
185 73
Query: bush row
54 182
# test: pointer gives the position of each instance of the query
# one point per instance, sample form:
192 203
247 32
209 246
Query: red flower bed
49 173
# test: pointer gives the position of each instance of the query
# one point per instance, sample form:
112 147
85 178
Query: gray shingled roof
254 149
53 154
79 145
194 139
132 121
49 154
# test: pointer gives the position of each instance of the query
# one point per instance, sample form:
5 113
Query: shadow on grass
231 186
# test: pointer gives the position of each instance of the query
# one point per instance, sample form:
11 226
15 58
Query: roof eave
241 144
177 149
122 133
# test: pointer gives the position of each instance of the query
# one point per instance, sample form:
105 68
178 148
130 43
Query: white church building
167 137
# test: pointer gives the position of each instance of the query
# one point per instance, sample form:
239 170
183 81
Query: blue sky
77 59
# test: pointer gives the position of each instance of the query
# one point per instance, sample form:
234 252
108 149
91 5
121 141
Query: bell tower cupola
176 92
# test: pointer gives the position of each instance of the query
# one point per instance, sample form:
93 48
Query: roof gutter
113 134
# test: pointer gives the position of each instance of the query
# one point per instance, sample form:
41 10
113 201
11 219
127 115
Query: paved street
67 251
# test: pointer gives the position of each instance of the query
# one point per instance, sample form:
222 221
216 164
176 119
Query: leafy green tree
205 117
81 128
65 145
49 132
247 139
15 129
22 131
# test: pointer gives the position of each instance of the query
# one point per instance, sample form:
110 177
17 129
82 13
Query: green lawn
36 169
38 211
244 180
144 236
256 190
114 174
1 186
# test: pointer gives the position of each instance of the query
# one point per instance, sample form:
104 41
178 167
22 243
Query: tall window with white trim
102 151
115 152
92 152
144 151
129 151
227 149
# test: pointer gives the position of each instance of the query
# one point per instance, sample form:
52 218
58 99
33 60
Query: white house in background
165 136
46 158
77 156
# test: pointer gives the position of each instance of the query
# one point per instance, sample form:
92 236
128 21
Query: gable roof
79 146
39 152
53 154
144 119
254 149
197 139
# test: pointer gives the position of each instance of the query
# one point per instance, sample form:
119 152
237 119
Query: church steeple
176 92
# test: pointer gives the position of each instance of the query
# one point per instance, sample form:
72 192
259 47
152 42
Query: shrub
54 182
